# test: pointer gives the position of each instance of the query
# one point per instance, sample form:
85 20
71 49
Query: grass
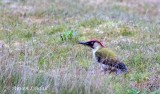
39 50
91 23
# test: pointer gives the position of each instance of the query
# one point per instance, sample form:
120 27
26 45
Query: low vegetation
39 51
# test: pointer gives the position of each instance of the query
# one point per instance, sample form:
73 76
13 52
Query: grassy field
39 53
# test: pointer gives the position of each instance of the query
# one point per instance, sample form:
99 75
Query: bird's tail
121 67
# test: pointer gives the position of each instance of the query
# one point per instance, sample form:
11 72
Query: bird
105 57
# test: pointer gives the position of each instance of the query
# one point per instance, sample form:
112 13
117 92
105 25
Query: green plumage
105 53
108 57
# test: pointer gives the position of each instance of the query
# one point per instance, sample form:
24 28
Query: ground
39 50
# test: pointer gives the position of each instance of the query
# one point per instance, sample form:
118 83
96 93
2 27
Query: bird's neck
94 51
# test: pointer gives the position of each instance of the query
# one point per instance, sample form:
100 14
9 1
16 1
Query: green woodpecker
105 57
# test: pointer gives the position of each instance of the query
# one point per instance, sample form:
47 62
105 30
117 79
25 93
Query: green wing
105 53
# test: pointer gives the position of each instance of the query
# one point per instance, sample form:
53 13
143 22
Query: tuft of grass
21 56
43 63
28 35
125 31
69 35
16 78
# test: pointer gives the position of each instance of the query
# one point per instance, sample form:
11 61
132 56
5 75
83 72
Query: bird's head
94 44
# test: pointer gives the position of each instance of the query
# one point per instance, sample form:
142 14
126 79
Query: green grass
158 59
91 23
55 29
126 32
39 46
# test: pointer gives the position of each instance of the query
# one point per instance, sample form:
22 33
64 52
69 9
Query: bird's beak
84 43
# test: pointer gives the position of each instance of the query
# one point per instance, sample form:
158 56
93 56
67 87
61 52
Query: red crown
95 40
